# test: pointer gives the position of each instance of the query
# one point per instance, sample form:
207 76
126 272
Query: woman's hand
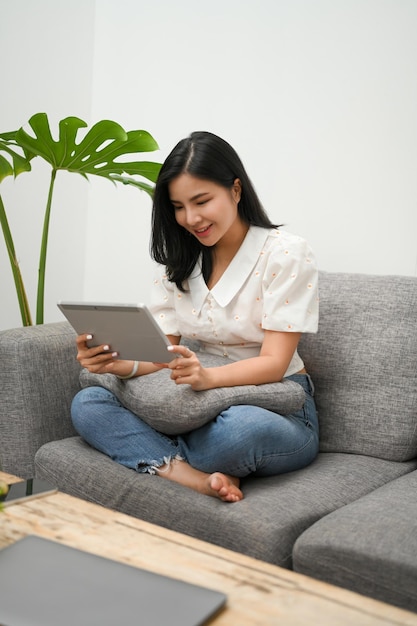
101 359
96 359
187 369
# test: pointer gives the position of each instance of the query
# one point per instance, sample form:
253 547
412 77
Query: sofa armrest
38 379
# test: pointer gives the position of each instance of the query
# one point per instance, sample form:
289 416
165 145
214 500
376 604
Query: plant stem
18 280
42 259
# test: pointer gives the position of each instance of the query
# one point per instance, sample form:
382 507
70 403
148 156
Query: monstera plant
98 153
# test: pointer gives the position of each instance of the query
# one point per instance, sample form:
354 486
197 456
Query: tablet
129 329
45 583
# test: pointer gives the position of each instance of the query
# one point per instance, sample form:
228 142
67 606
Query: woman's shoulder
282 242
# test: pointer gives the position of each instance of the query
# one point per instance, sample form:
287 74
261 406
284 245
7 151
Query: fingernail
89 336
106 347
170 348
114 354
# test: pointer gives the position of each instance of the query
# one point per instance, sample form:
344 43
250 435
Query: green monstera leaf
103 150
96 153
16 162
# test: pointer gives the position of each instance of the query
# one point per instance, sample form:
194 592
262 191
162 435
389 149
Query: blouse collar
235 274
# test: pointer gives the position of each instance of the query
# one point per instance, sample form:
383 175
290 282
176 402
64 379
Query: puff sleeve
290 287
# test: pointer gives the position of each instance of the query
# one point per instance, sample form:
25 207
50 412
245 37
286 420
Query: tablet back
129 329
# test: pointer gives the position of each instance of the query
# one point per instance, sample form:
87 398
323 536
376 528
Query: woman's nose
192 216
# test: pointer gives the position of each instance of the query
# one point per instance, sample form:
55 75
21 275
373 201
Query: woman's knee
84 405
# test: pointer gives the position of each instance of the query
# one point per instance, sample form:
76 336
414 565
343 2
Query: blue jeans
242 440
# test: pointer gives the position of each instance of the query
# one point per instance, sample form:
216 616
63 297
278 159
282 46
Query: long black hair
206 156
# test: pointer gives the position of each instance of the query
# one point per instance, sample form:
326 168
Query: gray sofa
350 518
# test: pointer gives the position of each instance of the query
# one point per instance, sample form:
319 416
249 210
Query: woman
228 278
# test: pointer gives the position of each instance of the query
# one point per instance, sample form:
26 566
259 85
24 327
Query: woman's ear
237 190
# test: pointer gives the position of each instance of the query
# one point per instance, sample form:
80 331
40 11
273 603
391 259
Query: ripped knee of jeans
157 467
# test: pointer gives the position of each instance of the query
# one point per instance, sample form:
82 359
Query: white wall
319 99
46 49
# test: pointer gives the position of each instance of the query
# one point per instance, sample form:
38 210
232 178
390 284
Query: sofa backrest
363 362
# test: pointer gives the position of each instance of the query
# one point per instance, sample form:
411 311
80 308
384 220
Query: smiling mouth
202 231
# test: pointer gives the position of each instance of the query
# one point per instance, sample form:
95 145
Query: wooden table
258 593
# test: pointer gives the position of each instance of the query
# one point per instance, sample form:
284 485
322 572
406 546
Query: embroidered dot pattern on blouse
271 285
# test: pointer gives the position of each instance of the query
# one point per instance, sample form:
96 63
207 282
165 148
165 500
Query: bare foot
219 485
224 487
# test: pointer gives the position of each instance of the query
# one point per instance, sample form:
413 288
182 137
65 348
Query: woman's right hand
99 359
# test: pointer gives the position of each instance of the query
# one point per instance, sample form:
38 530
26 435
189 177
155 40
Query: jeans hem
153 466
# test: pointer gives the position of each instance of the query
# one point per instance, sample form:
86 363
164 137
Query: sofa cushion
265 524
363 362
174 409
369 546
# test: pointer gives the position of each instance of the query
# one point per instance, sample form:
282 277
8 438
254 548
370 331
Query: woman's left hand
187 369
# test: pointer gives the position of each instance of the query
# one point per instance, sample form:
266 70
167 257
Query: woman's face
207 210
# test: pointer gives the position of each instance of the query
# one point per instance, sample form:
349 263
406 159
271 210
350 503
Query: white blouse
270 284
